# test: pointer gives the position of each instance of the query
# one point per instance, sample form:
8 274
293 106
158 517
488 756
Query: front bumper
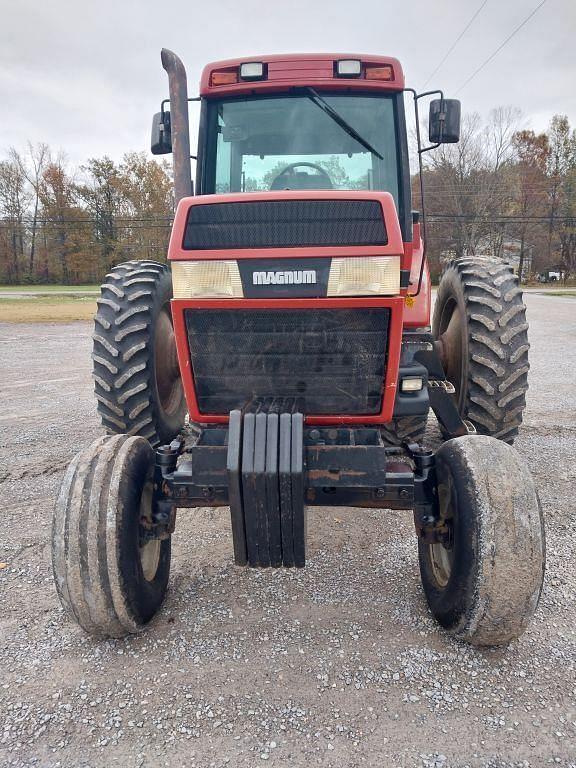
268 467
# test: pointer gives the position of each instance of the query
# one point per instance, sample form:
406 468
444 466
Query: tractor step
442 401
265 468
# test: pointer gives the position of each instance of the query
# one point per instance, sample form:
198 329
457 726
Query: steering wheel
280 181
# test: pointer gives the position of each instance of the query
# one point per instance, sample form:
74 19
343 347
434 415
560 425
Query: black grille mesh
334 359
285 224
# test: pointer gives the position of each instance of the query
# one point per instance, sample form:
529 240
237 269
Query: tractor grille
333 359
285 224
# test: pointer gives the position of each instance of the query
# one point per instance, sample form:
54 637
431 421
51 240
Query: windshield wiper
331 112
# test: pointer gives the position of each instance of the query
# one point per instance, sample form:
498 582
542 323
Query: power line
82 223
495 219
95 220
492 55
455 43
437 217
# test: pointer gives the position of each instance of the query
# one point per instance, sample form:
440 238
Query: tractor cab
314 122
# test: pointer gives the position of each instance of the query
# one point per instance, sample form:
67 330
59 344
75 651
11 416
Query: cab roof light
252 70
380 73
348 68
224 78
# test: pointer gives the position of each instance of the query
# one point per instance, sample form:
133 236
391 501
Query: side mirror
161 142
444 121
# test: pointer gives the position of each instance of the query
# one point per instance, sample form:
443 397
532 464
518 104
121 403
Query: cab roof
281 72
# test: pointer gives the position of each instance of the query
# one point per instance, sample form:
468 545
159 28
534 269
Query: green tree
147 189
104 202
68 252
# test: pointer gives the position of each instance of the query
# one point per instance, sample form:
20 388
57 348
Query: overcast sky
86 76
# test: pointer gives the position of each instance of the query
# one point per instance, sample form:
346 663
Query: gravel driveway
336 665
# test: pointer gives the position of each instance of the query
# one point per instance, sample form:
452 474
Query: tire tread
85 538
498 345
123 368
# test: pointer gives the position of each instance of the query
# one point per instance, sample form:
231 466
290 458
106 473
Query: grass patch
47 309
49 289
558 293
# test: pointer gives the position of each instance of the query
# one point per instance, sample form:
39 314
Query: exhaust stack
180 128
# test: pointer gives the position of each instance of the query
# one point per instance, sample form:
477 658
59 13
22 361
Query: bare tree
469 183
14 200
561 165
530 184
33 167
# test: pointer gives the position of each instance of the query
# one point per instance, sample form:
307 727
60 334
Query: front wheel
111 577
483 581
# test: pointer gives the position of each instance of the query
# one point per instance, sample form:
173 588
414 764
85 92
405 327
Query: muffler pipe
179 124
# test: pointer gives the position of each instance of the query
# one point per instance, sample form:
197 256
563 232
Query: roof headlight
252 70
348 68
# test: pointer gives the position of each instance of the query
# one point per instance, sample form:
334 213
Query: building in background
552 274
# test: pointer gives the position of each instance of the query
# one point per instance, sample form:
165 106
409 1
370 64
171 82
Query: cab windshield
303 142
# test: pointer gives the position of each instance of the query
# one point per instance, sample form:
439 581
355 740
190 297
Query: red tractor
293 327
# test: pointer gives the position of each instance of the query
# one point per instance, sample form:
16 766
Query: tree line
60 224
503 190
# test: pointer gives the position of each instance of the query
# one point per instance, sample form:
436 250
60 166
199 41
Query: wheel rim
442 554
150 558
148 549
450 336
441 559
166 370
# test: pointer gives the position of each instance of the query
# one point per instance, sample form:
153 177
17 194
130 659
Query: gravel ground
336 665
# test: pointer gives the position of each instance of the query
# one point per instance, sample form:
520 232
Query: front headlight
351 276
206 279
365 276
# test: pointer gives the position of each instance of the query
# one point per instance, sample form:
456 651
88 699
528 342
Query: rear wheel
137 379
111 577
483 581
480 325
405 429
